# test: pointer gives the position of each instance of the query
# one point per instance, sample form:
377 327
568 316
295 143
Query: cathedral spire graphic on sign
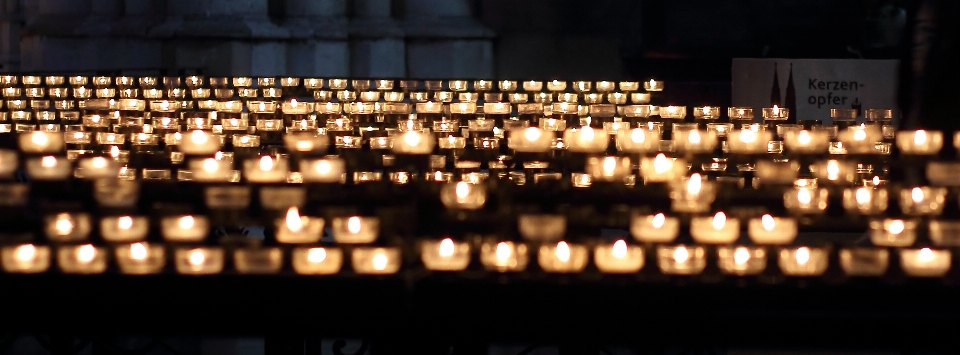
775 90
790 99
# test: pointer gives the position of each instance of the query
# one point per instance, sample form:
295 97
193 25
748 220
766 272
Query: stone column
222 37
318 38
445 41
376 41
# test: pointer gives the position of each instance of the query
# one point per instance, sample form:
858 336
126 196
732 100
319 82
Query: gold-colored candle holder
199 260
893 232
803 261
445 254
656 228
681 259
716 229
925 262
25 258
376 260
504 256
864 262
355 229
562 257
82 259
139 258
317 260
742 260
770 230
618 257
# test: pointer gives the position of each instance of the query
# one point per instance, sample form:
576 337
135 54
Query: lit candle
327 170
445 254
661 168
199 142
770 230
653 85
355 229
48 168
530 140
317 260
807 142
81 259
618 258
41 142
775 113
694 140
376 261
585 140
185 228
463 195
924 200
716 229
805 200
67 227
692 194
803 261
99 168
124 228
610 168
674 112
210 170
504 256
295 228
657 228
681 259
893 233
562 257
919 142
865 200
748 141
25 258
925 262
265 169
140 258
742 260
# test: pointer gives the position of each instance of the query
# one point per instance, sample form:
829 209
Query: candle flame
925 255
917 195
587 134
323 167
99 162
316 255
741 256
78 135
895 227
266 163
63 225
860 134
563 251
609 166
86 253
462 189
694 184
304 145
115 152
619 250
748 136
380 261
39 138
863 195
802 255
210 165
26 252
294 221
197 257
48 161
876 180
681 254
920 137
198 137
653 83
706 110
293 103
186 222
768 222
719 220
262 106
138 251
411 138
125 222
776 110
353 224
803 196
659 220
661 164
694 137
637 135
503 252
803 138
446 248
833 170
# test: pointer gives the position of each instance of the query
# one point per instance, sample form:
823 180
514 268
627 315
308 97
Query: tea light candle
258 260
777 171
694 140
861 139
742 260
740 113
770 230
775 113
140 258
618 257
463 195
610 168
653 85
81 259
48 168
265 169
326 170
836 171
638 140
865 200
716 229
67 227
445 254
705 113
805 200
376 261
297 229
692 194
681 259
748 141
919 142
919 201
317 260
864 261
674 112
124 228
41 142
807 142
25 258
413 142
199 142
99 168
656 228
803 261
531 140
504 256
562 257
893 233
185 228
661 168
210 170
945 233
199 260
925 262
641 98
355 229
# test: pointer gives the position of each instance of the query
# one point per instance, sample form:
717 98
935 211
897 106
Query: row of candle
449 255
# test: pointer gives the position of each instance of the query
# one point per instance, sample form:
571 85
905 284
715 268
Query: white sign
818 84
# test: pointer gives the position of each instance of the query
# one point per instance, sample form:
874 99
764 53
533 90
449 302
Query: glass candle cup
803 261
681 259
25 258
922 200
925 262
864 262
865 200
504 256
355 229
770 230
893 232
741 260
562 257
82 259
139 258
199 260
655 228
376 261
618 257
317 260
716 229
445 254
